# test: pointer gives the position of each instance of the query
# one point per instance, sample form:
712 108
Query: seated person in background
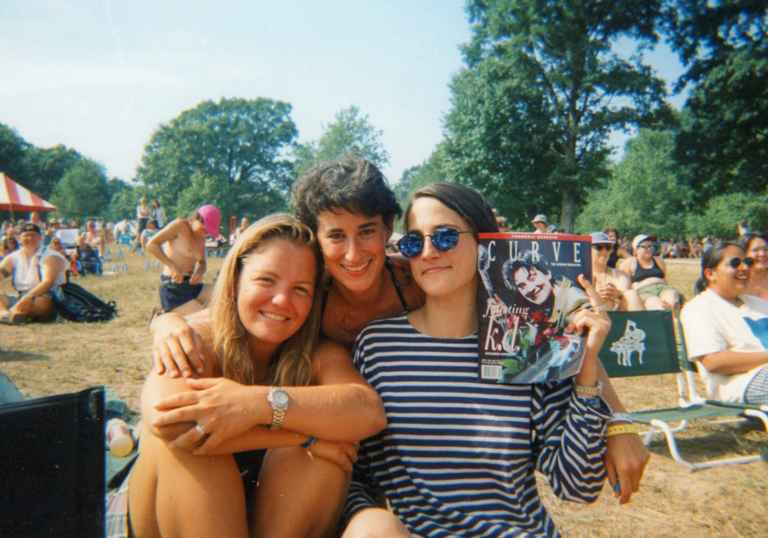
618 252
57 246
37 272
683 249
669 249
726 331
243 226
149 232
614 286
694 246
648 276
180 247
10 244
755 246
91 240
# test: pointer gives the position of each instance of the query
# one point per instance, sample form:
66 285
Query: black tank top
389 265
640 274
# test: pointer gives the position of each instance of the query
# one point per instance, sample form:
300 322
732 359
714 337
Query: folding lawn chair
644 343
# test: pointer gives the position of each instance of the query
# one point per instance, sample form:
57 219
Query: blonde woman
269 385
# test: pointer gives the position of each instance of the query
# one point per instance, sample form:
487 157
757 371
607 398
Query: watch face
280 397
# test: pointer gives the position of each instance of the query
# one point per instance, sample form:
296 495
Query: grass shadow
22 356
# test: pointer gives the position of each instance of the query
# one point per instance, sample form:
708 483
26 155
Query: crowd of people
324 383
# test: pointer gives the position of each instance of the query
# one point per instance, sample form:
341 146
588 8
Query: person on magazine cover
557 296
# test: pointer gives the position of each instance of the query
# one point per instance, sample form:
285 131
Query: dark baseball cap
30 227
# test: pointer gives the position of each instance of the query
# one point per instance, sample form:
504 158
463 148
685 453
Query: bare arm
733 362
154 246
6 268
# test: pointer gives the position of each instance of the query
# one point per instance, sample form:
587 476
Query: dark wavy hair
353 184
524 260
467 202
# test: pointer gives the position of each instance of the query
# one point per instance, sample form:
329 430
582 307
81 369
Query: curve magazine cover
527 295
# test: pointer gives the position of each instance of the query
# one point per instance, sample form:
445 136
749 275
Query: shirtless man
180 247
90 239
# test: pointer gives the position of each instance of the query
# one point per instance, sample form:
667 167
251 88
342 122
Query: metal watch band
277 418
588 392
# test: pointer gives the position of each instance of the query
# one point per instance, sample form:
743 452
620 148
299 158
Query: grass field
55 358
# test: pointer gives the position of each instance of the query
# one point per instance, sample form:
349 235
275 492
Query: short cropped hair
524 260
353 184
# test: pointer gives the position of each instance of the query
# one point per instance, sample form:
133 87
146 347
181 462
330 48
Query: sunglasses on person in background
646 247
601 248
735 263
444 240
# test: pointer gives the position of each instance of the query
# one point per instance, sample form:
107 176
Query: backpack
75 303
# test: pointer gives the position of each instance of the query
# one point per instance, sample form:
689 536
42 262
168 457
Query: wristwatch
279 401
588 392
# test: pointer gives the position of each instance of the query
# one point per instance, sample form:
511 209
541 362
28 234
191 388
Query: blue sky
101 76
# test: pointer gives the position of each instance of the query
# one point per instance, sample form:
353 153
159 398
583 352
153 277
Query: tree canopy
82 192
232 154
542 91
349 133
724 140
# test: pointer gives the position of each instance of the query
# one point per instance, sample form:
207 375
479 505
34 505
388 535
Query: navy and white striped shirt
457 457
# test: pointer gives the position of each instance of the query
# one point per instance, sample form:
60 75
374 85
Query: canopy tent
14 197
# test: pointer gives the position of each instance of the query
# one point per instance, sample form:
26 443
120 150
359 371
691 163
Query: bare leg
298 496
42 309
175 493
375 523
670 298
631 301
4 302
654 303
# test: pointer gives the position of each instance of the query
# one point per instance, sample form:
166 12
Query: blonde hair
293 364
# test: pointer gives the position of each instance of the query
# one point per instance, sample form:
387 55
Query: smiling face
726 281
442 274
758 251
30 240
534 285
275 291
354 247
600 254
645 250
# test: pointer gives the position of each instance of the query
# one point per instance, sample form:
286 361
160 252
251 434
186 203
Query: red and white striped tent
14 197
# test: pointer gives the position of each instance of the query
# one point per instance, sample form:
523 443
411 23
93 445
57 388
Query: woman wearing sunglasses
457 457
726 330
755 246
613 285
648 276
351 208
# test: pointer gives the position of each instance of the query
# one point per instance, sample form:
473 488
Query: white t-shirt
25 271
712 324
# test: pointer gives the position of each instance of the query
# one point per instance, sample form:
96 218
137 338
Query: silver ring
200 429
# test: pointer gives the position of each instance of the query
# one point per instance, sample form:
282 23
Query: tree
82 192
123 199
724 46
46 166
230 153
541 92
349 133
643 194
12 151
723 213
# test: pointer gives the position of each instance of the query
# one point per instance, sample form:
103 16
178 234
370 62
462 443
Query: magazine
527 296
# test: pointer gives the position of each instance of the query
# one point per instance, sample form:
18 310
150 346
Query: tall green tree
643 194
349 133
724 140
542 90
12 151
82 192
46 166
231 154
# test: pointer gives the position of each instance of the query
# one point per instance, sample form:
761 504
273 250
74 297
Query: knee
375 523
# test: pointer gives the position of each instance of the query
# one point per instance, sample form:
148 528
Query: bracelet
588 392
621 417
618 429
309 443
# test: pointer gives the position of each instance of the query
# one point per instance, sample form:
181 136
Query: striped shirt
457 457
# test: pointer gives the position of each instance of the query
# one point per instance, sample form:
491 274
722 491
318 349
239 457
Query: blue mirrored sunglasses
444 240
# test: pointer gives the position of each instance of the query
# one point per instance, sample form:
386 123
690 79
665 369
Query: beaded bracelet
309 443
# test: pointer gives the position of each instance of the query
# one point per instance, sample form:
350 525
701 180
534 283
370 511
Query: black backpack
75 303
